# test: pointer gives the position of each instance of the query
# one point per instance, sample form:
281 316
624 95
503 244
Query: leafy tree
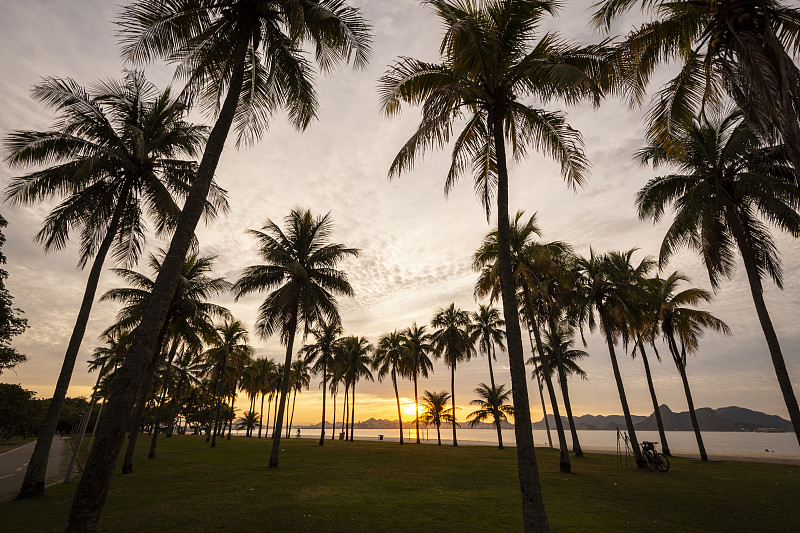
117 152
245 60
11 324
354 355
300 270
491 402
435 411
17 410
724 188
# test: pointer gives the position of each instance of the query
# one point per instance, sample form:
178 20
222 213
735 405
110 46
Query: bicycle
654 460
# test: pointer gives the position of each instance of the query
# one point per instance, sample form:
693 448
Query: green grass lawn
382 486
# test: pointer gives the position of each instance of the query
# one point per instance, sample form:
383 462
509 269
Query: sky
415 244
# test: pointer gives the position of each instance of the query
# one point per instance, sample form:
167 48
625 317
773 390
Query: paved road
13 464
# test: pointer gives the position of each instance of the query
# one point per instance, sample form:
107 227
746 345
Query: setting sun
409 408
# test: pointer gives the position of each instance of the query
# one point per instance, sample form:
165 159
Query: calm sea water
744 444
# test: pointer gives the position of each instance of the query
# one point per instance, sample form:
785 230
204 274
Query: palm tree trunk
562 378
438 433
353 414
291 418
662 435
173 408
275 416
33 484
676 356
276 444
494 407
324 395
771 337
637 452
233 411
333 426
261 416
453 397
346 414
397 396
416 404
92 489
157 421
534 516
144 395
541 395
564 464
218 396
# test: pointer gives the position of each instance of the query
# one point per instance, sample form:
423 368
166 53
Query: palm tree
418 344
391 357
606 286
318 355
300 379
677 320
300 269
492 62
435 411
262 369
740 49
451 341
229 343
189 321
726 184
115 154
190 368
533 265
253 53
355 356
492 402
486 329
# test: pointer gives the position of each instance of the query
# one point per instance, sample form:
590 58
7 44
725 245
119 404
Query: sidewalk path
13 464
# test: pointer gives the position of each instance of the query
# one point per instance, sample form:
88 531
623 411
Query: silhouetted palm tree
355 358
300 270
391 357
418 344
725 185
451 341
435 411
115 155
319 355
245 60
492 402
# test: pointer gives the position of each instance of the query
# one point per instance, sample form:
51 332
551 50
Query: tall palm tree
492 62
492 402
679 323
118 152
435 411
262 369
418 344
319 355
356 359
533 264
606 286
726 184
452 342
229 343
486 329
741 49
244 60
300 269
391 357
300 379
189 321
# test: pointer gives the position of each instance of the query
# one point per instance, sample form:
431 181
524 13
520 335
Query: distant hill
722 419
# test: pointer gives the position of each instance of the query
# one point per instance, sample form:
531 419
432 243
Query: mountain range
722 419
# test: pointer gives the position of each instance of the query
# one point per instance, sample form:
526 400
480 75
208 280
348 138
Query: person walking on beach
298 433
